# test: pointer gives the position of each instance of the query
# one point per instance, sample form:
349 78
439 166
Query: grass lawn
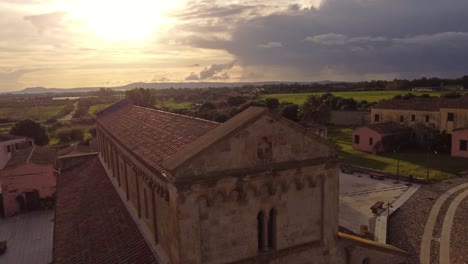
369 96
173 105
96 108
441 166
30 112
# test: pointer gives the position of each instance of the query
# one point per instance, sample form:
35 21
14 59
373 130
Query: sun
120 20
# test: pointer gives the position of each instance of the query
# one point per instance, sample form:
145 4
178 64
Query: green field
369 96
441 166
172 105
97 107
30 112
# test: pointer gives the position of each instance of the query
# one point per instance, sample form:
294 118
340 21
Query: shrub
70 134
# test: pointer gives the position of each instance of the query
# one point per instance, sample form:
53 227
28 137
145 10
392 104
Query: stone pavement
359 192
428 235
29 237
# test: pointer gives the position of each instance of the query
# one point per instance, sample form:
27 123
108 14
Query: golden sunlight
121 20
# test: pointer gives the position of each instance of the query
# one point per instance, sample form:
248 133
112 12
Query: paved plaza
29 237
357 195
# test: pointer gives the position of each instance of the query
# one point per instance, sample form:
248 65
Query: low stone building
28 180
380 137
440 114
9 144
256 189
460 142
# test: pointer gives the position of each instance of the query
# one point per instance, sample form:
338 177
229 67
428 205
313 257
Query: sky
83 43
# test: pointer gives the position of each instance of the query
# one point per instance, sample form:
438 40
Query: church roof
92 225
151 134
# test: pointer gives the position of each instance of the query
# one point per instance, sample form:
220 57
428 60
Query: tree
290 111
235 100
272 103
141 96
31 129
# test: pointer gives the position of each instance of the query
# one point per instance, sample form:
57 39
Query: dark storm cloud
356 37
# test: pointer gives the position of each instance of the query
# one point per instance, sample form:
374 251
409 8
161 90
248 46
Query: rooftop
152 135
6 137
34 155
389 128
423 104
92 225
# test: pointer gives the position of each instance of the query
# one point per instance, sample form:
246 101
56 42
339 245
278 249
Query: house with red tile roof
28 180
10 143
380 137
441 114
257 188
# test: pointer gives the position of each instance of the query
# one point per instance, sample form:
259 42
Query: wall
458 135
355 251
231 182
4 154
26 178
365 134
285 141
460 119
130 177
392 115
219 224
350 118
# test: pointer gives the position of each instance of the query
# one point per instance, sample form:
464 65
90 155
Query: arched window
272 229
260 230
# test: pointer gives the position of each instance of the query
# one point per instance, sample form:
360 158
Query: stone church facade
256 189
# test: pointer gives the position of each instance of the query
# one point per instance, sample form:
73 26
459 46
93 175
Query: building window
272 229
145 196
260 231
413 118
401 118
463 145
371 141
376 118
450 116
427 118
356 139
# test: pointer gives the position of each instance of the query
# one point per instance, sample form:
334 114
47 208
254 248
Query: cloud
213 72
46 21
271 44
354 38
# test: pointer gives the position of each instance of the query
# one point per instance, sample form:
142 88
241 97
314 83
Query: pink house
459 142
28 180
380 137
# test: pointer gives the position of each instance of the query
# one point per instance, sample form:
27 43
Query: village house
441 114
27 180
380 137
258 188
459 142
10 143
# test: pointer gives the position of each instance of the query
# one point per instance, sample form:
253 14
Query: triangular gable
254 137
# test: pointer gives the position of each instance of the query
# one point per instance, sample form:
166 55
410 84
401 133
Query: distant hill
164 85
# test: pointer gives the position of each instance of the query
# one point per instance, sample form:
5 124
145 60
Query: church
255 189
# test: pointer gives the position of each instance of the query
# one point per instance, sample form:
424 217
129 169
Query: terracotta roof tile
423 104
92 225
152 135
389 128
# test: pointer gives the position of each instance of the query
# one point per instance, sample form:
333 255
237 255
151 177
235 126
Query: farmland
369 96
